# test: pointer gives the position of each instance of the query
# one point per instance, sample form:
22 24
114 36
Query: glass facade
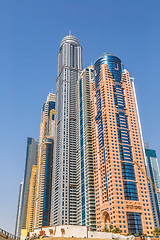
152 167
47 182
134 223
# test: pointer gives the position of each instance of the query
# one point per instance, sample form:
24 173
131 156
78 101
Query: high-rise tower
31 200
31 159
85 172
121 189
153 172
64 190
44 164
19 212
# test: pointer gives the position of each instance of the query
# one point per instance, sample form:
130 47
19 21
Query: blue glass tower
152 168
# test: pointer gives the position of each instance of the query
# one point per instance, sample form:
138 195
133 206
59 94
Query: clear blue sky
30 34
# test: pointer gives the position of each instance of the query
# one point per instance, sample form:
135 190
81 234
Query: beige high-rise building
31 200
121 188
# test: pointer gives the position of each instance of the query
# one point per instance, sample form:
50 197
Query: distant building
86 215
64 188
31 159
153 172
19 212
121 189
44 165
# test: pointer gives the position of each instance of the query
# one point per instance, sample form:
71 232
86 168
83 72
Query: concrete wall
102 235
64 231
70 231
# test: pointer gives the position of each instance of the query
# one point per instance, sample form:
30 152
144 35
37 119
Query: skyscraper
31 159
121 189
64 190
31 200
153 172
86 196
19 212
44 165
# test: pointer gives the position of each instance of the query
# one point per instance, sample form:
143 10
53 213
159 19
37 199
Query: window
134 223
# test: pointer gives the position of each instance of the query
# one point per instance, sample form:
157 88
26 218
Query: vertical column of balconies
111 210
89 172
86 196
144 210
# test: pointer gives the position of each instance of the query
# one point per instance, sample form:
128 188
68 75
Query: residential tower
121 189
31 159
44 165
64 189
86 215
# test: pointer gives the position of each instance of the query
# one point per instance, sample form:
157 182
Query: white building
64 186
19 212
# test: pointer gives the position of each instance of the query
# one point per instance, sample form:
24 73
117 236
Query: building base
75 231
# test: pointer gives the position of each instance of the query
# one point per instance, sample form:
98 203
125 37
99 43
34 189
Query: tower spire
70 32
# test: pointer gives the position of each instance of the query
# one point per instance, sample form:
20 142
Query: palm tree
156 231
117 230
105 229
111 228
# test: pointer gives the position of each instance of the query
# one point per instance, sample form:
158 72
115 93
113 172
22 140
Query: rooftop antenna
70 32
52 90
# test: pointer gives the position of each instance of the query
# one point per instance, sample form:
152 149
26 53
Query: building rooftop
106 55
51 97
70 39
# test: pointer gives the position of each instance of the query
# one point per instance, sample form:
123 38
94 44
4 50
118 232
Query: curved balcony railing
7 235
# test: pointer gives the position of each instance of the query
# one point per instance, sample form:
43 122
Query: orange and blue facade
44 165
121 190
